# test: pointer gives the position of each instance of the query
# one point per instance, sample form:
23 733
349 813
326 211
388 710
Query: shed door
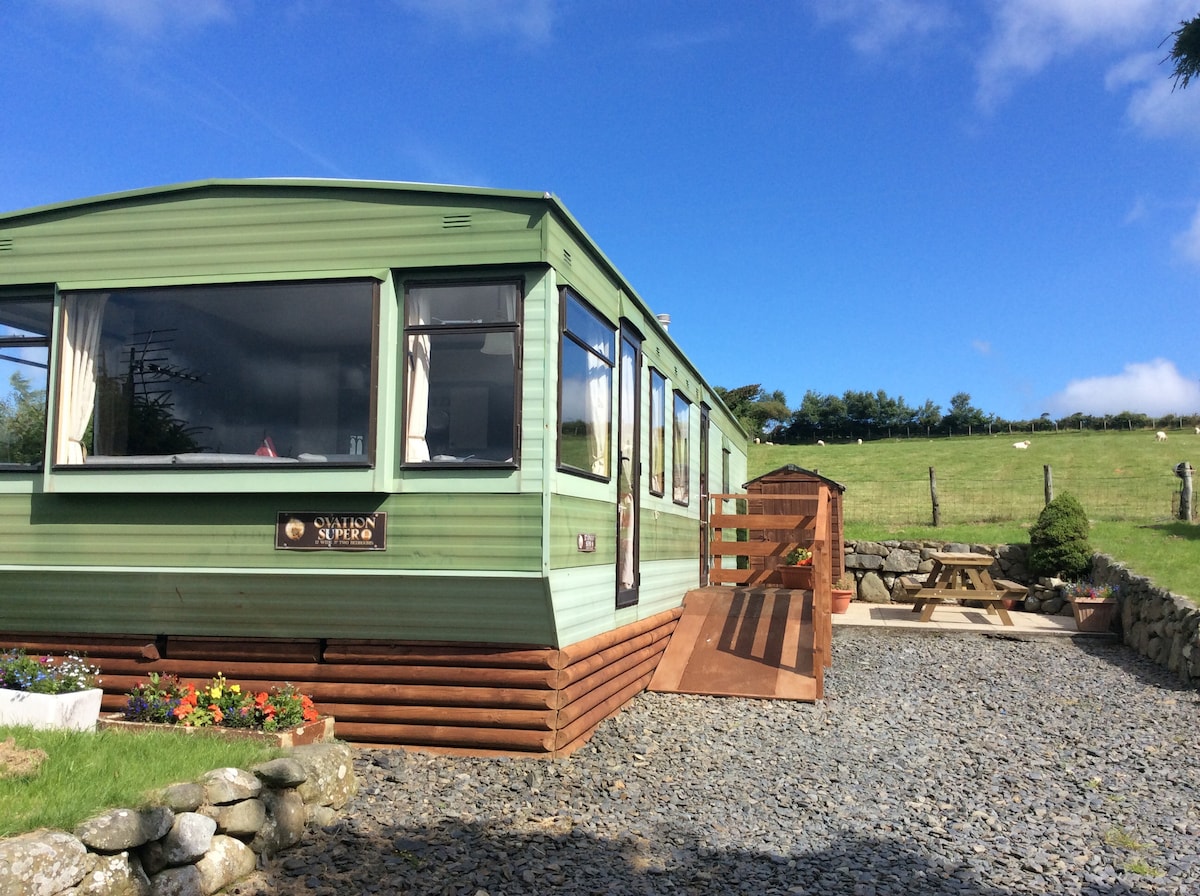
628 468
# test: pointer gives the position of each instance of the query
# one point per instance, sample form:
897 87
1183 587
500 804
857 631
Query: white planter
77 711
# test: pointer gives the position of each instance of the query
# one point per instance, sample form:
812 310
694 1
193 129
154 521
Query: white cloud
1155 388
1187 243
981 346
532 20
1155 107
147 18
878 25
1026 36
1029 34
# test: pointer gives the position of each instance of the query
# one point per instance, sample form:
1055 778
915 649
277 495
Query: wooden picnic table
957 576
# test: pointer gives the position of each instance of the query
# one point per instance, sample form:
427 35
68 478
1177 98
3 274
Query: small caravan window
24 359
658 433
585 390
266 374
680 450
460 373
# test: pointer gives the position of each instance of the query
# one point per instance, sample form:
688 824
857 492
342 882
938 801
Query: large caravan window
658 433
24 359
460 377
681 450
585 398
262 373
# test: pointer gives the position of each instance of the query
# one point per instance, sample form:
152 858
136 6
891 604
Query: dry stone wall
1162 626
197 839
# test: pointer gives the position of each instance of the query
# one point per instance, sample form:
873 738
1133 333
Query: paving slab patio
952 618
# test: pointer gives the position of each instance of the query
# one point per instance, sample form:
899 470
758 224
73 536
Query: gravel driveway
937 764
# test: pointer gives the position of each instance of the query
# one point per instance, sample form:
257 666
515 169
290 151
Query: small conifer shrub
1058 541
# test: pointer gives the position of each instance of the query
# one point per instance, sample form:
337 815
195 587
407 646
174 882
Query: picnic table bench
961 576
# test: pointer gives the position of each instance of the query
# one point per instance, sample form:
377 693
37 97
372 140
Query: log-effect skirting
472 699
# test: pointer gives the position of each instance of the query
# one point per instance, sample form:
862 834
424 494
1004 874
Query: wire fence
909 502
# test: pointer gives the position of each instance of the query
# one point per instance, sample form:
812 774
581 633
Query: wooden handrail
807 524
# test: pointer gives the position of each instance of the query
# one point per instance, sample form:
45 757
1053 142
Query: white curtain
599 412
416 388
81 323
681 468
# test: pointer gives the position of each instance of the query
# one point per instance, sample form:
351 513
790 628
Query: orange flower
218 716
308 711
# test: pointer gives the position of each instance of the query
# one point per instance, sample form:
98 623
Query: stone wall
196 839
1161 626
877 565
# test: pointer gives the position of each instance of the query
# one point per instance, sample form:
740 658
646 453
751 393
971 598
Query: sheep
1160 436
860 440
1198 430
1022 445
819 442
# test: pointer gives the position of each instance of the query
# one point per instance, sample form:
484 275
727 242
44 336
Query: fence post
1184 471
1048 476
937 510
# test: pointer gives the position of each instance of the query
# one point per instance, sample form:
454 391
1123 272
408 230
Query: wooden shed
420 450
793 480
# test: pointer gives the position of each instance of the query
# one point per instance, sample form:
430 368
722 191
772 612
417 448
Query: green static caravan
420 450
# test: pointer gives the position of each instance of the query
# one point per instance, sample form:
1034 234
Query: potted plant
842 593
796 571
1094 606
44 692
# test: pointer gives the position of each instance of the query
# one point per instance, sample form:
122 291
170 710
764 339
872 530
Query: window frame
405 283
657 433
116 466
566 296
681 469
26 294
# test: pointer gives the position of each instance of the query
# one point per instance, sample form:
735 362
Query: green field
990 492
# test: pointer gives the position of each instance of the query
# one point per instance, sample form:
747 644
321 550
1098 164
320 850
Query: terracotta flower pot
1094 614
796 577
840 600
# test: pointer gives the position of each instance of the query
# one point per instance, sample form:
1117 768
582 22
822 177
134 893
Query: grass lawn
991 493
84 773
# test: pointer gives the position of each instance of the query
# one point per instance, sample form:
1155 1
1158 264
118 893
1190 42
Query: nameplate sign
318 531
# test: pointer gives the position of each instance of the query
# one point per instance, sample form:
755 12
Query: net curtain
83 317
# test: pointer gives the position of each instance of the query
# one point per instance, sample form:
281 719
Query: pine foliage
1058 541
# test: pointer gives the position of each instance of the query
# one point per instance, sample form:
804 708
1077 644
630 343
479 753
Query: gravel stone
937 764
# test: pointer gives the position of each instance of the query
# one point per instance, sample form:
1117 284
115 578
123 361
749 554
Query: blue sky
998 197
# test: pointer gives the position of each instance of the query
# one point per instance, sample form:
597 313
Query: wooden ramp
742 642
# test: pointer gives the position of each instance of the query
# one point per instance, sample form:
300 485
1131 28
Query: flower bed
164 699
281 715
318 730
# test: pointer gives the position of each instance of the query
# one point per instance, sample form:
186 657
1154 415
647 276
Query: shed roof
800 473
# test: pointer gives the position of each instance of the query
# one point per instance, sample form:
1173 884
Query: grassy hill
990 492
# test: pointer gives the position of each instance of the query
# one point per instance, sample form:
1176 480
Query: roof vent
665 320
6 244
453 222
566 257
